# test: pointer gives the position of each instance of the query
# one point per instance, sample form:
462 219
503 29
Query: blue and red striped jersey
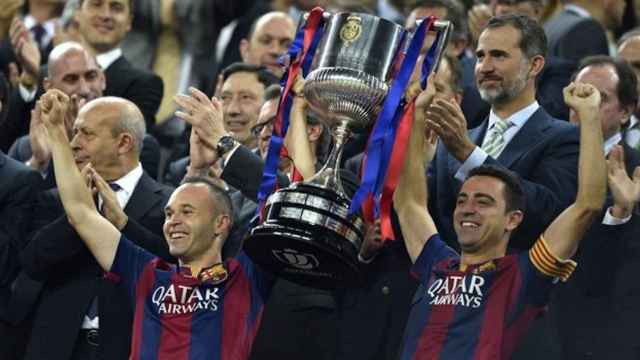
176 316
479 312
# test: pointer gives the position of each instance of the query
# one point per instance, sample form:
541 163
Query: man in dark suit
40 19
604 286
109 136
242 95
19 186
579 30
75 72
518 134
104 25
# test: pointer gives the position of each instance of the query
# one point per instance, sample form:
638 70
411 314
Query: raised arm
297 140
565 232
410 198
100 236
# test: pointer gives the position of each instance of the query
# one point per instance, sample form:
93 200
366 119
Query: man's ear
537 64
244 50
126 143
514 219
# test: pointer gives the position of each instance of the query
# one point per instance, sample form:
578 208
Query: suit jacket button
386 290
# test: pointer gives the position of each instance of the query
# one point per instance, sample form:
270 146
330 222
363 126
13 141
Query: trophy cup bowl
307 235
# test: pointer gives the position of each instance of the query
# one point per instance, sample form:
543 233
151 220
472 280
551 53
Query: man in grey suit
579 30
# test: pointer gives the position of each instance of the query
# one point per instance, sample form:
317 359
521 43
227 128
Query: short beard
506 92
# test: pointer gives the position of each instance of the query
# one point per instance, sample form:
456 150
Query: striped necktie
495 138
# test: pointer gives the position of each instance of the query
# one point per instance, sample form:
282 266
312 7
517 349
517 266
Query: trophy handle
445 27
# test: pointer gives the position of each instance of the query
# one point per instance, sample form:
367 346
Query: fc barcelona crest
214 274
351 30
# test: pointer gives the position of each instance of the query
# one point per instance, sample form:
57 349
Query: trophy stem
329 176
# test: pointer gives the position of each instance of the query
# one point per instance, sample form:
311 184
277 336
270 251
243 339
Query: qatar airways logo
457 290
180 299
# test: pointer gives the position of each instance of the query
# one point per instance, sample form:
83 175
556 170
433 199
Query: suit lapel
144 197
526 138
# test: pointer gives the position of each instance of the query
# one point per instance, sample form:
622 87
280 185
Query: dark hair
272 92
627 89
220 198
4 96
513 193
455 14
265 77
533 41
635 32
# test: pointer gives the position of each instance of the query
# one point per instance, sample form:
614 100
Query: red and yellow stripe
549 264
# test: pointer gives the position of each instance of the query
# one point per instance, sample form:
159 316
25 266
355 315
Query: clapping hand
204 115
625 191
111 208
25 48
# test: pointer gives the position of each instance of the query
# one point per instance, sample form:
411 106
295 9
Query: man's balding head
109 132
74 71
269 38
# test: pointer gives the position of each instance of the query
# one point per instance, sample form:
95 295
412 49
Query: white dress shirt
478 156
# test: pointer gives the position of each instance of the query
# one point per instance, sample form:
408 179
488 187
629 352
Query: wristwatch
225 144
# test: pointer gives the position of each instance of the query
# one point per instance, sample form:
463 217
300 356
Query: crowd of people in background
164 105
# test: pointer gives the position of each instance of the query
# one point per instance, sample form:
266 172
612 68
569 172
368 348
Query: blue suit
545 155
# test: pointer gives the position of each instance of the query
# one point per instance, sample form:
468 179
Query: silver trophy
307 235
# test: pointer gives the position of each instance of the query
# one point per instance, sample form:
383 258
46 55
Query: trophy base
308 238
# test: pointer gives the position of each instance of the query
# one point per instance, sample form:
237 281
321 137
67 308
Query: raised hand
204 115
111 208
52 110
478 16
582 97
201 156
625 191
25 48
445 118
40 147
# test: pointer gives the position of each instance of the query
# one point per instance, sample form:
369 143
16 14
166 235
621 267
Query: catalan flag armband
549 264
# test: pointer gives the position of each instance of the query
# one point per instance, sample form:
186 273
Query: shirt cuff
612 220
227 156
477 158
27 95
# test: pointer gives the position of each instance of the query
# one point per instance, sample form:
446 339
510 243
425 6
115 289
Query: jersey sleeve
548 264
129 264
433 251
261 281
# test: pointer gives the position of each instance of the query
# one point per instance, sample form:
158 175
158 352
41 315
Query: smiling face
267 115
502 70
190 223
481 221
242 96
77 73
104 23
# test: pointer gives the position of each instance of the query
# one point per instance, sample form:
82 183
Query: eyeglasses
257 129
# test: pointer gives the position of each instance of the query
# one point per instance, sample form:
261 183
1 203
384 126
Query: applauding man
200 309
477 304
